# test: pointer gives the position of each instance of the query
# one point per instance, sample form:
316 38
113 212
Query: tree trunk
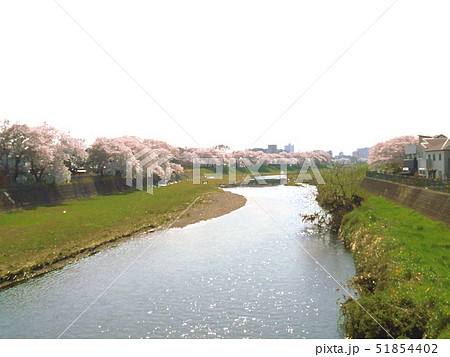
6 166
34 172
16 169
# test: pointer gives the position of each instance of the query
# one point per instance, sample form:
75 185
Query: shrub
338 195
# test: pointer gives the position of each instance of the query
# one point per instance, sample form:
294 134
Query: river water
241 275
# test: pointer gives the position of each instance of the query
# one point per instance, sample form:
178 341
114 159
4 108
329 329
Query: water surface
235 276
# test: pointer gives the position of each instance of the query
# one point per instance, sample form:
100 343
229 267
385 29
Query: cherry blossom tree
106 156
391 153
71 151
222 147
57 172
51 155
110 156
5 147
16 145
41 150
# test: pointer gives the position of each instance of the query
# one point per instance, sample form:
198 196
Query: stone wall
433 204
47 195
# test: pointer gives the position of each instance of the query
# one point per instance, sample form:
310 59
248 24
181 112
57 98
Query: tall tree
19 138
391 153
41 150
71 151
5 146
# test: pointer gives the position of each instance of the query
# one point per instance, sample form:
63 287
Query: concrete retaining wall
30 197
433 204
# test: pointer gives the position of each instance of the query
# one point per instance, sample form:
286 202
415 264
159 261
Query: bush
338 195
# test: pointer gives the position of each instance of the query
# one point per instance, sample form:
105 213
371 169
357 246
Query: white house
431 158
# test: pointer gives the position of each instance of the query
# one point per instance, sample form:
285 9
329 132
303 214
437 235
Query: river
241 275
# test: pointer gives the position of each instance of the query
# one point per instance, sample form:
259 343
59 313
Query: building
272 149
362 153
289 148
343 159
330 152
430 158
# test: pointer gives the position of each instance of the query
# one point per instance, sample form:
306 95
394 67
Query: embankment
47 195
433 204
402 260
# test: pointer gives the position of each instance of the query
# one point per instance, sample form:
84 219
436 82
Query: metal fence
422 182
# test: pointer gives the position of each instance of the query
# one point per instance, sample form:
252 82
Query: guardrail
422 182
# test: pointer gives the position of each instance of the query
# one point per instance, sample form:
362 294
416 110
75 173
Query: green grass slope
31 239
402 261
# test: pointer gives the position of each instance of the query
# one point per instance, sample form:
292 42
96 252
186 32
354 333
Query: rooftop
436 143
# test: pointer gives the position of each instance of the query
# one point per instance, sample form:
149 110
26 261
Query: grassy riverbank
402 262
32 240
35 241
401 257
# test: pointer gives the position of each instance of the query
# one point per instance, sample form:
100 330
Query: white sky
225 70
